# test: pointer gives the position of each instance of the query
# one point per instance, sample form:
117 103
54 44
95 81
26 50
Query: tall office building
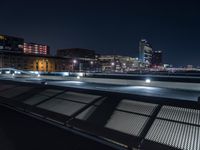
157 58
145 52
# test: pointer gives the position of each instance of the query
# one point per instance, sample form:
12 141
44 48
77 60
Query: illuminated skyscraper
145 52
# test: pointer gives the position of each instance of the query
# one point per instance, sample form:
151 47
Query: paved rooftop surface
141 90
178 94
121 120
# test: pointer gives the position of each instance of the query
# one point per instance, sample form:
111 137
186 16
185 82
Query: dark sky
108 26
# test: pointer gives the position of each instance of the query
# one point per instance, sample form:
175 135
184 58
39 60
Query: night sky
108 26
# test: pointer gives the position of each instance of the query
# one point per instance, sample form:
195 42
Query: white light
17 72
112 63
75 82
148 81
7 72
74 61
38 75
78 77
13 74
34 72
80 74
65 73
91 62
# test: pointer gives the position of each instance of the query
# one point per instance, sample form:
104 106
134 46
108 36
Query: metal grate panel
86 113
35 99
86 98
50 92
127 123
61 106
180 114
136 107
178 135
14 91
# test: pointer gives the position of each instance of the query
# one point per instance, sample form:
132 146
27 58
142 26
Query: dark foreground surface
43 117
20 132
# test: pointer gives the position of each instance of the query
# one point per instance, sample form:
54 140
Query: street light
112 66
91 65
74 61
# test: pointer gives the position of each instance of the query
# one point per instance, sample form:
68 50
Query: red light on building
34 48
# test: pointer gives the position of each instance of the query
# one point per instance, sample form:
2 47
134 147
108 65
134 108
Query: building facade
32 62
34 48
118 63
157 58
10 43
145 52
82 59
15 53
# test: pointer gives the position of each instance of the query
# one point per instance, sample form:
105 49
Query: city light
80 74
65 73
148 81
112 63
7 72
17 72
74 61
78 77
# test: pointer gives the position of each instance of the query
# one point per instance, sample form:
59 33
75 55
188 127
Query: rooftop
119 120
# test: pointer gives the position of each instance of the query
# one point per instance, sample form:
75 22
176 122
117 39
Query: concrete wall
173 85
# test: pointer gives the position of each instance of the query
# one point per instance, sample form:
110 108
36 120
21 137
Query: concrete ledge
162 84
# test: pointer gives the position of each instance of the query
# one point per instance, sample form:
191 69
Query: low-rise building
118 63
11 43
82 59
37 49
34 62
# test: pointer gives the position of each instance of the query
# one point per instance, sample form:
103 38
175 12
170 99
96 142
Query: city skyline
113 27
42 49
